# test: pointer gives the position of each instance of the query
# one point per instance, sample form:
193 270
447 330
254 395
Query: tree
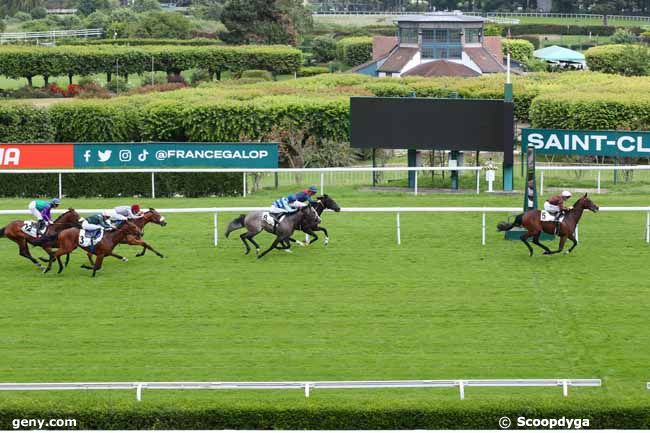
10 7
146 5
86 7
160 25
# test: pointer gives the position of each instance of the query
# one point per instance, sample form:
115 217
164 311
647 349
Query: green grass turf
439 306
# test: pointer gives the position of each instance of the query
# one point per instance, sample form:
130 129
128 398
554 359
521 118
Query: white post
60 185
399 240
541 183
153 185
416 183
647 228
478 181
216 229
461 387
245 185
598 181
565 388
307 387
138 392
322 182
483 230
508 69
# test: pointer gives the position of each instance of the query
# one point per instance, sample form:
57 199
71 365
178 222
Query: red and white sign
36 156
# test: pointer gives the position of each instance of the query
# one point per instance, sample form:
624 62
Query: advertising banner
597 143
36 156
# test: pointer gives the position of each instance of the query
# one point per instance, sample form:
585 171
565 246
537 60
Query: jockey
41 210
293 202
555 204
97 222
122 213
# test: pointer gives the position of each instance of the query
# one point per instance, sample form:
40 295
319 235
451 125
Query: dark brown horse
324 202
47 241
69 241
531 220
151 216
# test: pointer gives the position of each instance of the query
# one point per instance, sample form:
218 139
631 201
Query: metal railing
597 168
498 14
51 35
307 386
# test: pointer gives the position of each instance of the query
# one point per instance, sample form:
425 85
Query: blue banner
600 143
176 155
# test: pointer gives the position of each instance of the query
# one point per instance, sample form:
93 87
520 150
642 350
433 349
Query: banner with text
599 143
176 155
36 155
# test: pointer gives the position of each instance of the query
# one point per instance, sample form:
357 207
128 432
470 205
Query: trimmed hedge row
121 184
354 51
560 29
196 42
25 123
619 59
27 62
519 49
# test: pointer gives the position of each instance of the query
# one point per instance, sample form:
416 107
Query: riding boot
39 228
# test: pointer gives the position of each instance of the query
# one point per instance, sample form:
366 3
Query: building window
427 53
441 44
408 36
455 53
427 35
442 35
472 36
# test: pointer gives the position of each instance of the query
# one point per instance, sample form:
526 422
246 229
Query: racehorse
151 216
254 223
531 220
69 241
47 241
322 203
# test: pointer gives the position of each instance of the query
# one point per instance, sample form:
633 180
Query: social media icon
87 156
105 155
160 155
125 155
143 155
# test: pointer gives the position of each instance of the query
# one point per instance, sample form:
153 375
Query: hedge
619 59
121 184
354 51
17 62
519 49
25 123
560 29
196 42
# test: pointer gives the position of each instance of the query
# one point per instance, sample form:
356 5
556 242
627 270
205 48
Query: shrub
199 76
22 16
533 39
519 49
118 85
310 71
354 51
93 90
645 36
323 49
257 74
38 13
492 29
156 88
623 36
619 59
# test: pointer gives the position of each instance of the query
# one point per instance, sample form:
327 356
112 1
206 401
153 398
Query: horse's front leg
574 240
276 241
98 264
561 246
119 257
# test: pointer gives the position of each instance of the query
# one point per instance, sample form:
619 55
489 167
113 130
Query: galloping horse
322 203
47 241
531 220
254 223
69 241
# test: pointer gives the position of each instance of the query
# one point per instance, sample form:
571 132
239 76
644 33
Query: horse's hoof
300 243
547 253
288 251
124 259
139 255
246 253
327 241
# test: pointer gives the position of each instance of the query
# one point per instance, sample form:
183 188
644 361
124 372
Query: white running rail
397 210
53 35
307 386
598 168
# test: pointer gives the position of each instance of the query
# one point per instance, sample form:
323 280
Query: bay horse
47 241
69 241
255 223
151 216
531 220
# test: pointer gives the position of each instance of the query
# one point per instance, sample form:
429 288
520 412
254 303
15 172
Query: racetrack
440 306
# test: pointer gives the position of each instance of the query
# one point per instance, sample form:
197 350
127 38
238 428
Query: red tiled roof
398 59
382 45
441 68
484 60
493 45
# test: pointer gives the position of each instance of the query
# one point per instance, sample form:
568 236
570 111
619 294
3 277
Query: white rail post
565 388
598 182
138 392
647 228
153 185
216 229
307 388
60 186
461 387
399 235
416 183
483 230
478 181
244 183
541 183
322 182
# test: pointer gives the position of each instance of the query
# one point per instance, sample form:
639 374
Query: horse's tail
504 226
235 224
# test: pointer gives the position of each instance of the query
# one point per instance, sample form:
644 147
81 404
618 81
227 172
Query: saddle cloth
90 238
29 228
549 217
270 220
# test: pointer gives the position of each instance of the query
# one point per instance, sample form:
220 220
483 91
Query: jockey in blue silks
293 202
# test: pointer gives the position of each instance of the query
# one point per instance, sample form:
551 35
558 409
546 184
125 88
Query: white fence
598 168
247 172
397 210
51 35
307 386
498 14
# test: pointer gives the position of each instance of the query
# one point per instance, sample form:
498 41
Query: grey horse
254 223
